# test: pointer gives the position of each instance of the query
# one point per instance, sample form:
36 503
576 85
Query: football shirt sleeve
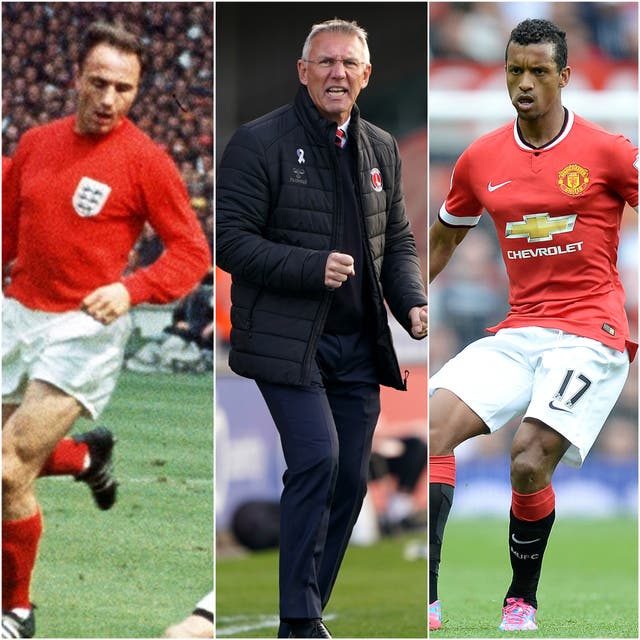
624 169
461 207
187 257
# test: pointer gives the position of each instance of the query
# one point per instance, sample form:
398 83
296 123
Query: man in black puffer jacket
315 234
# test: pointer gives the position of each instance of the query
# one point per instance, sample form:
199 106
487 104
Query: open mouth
337 91
524 100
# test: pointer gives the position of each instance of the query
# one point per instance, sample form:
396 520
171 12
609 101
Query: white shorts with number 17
568 382
69 350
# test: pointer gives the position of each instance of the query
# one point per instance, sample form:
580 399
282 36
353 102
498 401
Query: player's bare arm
107 304
443 241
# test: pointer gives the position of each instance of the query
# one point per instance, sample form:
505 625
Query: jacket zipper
376 283
325 303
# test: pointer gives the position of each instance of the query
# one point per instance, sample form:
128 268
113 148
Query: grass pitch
588 588
131 571
379 594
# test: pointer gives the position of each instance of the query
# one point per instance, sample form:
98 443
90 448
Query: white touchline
252 623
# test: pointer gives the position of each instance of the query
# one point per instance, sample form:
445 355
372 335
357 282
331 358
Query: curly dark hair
535 31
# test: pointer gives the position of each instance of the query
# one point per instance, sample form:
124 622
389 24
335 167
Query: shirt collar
345 127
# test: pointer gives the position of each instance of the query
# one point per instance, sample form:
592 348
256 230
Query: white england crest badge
89 197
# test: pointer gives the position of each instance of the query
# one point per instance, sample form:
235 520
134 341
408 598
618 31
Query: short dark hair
113 35
535 31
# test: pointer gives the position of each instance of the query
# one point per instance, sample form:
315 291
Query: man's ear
367 75
302 71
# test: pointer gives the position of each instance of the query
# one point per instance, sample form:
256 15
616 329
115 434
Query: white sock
22 613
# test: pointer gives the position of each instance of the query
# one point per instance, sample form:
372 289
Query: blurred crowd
478 31
175 102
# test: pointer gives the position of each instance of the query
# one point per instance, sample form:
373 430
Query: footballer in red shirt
555 186
76 197
558 211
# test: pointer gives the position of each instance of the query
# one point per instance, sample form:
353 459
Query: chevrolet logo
538 227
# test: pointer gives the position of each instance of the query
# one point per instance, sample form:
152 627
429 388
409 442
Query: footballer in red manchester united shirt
555 186
557 211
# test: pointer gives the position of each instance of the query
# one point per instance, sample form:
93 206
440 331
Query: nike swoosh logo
513 537
553 406
492 187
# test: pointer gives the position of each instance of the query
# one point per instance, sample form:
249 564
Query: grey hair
337 26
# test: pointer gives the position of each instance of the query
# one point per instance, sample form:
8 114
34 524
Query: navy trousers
326 430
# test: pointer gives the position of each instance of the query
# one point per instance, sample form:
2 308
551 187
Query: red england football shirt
557 212
79 204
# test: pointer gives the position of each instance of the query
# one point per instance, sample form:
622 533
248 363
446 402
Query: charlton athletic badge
573 179
376 179
89 197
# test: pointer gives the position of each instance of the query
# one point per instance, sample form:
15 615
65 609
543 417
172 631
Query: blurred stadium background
468 97
142 566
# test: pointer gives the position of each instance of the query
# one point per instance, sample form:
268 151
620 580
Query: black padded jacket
277 219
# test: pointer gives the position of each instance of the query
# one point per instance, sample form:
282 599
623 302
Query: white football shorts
568 382
69 350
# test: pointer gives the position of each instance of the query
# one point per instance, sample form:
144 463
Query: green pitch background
588 587
379 594
131 571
